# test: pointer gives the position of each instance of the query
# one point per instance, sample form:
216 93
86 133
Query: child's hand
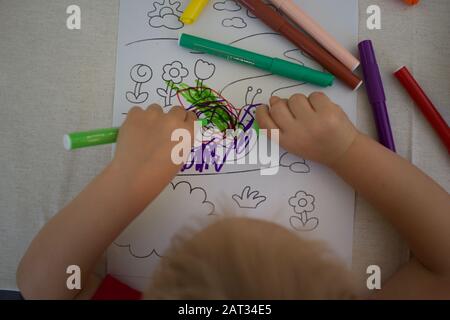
314 127
144 140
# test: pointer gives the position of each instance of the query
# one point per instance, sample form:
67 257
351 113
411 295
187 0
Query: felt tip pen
192 11
281 25
83 139
375 92
307 23
425 105
274 65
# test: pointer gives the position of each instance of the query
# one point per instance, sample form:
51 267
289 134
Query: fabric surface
53 81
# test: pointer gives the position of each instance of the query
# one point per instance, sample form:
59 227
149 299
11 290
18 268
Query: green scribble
210 105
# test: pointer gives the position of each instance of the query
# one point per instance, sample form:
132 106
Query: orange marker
411 2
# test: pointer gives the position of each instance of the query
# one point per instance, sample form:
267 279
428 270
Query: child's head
241 258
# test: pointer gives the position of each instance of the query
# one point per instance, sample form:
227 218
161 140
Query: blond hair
242 258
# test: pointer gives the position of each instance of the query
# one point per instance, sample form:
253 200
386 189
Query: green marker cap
301 73
76 140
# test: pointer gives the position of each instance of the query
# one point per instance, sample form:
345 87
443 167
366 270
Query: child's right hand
144 143
311 127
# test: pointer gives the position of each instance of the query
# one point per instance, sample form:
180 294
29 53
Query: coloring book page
303 196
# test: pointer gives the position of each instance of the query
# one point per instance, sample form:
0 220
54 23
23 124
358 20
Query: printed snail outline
221 116
154 251
248 199
303 205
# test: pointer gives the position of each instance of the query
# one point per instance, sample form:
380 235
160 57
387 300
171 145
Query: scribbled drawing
293 163
227 133
165 14
248 199
173 74
150 234
227 5
236 22
303 204
296 165
140 74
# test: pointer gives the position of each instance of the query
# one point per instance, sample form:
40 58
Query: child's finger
153 105
264 119
191 117
154 108
178 112
135 110
274 99
319 101
280 113
300 106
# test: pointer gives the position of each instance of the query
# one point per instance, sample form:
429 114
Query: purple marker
375 91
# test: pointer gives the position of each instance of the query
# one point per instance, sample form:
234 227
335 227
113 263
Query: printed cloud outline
227 5
295 164
236 22
169 21
151 232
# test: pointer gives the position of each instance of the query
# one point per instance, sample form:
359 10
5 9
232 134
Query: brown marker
279 24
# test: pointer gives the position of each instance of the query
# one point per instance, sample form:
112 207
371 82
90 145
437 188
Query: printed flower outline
302 202
173 73
140 74
204 70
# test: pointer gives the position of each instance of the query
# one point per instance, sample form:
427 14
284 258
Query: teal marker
273 65
83 139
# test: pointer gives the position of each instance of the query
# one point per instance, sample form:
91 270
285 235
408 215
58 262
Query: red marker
425 104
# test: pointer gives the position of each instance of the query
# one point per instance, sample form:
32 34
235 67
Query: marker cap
192 11
374 86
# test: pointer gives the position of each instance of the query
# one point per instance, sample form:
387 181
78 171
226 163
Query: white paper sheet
303 196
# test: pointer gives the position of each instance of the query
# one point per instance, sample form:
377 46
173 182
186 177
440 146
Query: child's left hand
144 144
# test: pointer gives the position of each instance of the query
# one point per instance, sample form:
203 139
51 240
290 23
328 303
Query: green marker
83 139
274 65
256 127
76 140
